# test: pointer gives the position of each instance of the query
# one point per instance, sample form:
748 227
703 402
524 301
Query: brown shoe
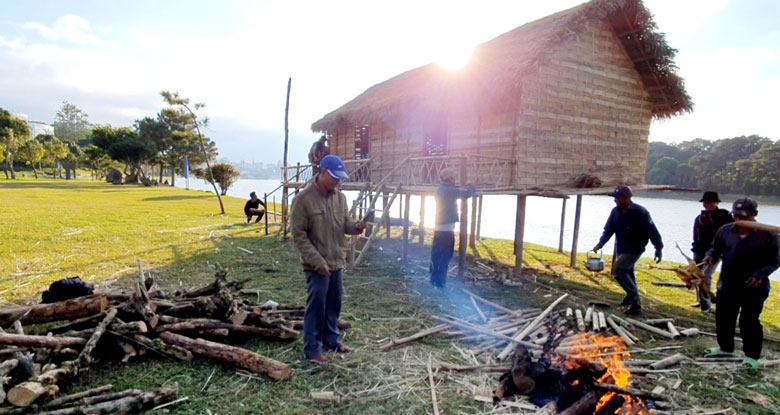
319 359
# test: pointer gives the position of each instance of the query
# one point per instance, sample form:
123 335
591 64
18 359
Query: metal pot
594 263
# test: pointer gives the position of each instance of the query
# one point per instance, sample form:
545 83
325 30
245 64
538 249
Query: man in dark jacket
444 234
252 208
633 227
704 228
749 256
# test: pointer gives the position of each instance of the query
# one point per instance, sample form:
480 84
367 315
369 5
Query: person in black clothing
749 256
633 227
252 208
443 245
704 228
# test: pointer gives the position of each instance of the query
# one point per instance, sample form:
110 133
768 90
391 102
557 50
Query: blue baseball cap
621 191
334 166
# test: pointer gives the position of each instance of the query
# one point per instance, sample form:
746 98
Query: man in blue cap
633 227
320 219
749 256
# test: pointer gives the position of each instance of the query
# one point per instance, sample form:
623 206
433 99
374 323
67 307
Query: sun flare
455 58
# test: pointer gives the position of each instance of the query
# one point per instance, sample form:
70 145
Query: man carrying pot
633 228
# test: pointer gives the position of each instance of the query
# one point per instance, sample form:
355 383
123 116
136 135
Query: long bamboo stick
519 336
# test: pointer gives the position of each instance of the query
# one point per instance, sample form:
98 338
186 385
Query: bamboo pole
519 233
479 219
284 175
267 212
405 250
563 223
464 209
422 219
530 327
577 212
473 233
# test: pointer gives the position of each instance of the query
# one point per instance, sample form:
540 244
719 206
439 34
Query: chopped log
125 406
129 350
624 325
63 310
494 305
236 356
79 324
416 336
41 341
55 403
202 324
327 396
602 321
213 333
580 320
669 361
581 405
629 391
479 310
92 400
25 393
165 349
620 332
659 321
433 387
85 358
220 279
594 322
589 315
468 326
650 328
690 332
673 330
530 327
569 312
5 368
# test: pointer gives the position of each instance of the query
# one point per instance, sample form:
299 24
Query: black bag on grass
65 289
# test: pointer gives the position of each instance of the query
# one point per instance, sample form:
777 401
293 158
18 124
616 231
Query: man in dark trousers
320 219
704 228
444 234
749 256
633 227
252 208
317 152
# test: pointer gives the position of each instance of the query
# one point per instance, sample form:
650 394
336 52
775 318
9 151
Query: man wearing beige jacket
320 219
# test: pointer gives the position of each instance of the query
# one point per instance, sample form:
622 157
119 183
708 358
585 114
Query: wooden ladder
374 194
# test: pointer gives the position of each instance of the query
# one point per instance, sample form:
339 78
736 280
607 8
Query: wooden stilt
464 211
422 219
267 212
519 231
473 233
577 212
479 219
405 249
563 223
285 207
387 221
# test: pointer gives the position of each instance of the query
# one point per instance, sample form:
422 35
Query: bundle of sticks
40 358
690 274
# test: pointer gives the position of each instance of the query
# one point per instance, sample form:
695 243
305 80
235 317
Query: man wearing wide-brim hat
705 226
749 256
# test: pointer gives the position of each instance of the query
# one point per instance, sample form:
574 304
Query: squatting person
749 256
633 227
446 217
704 228
319 222
252 208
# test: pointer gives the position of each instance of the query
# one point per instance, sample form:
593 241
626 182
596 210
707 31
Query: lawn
56 228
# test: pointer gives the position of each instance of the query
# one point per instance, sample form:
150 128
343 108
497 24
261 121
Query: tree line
161 142
743 165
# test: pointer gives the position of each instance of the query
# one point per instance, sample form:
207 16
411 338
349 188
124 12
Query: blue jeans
321 318
624 274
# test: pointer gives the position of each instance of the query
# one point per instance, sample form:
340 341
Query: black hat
621 191
710 197
744 207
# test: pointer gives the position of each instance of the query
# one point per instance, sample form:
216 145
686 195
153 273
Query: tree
71 125
31 153
13 133
173 99
54 151
225 175
99 162
663 172
156 132
124 145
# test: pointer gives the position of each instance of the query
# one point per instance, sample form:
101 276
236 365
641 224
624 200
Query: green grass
99 231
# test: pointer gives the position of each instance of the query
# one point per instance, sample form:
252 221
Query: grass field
54 229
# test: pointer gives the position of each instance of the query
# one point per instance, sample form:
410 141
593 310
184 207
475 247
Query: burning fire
608 352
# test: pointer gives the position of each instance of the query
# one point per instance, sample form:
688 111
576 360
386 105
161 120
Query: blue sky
111 58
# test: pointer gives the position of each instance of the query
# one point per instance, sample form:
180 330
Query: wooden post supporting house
267 212
577 212
519 233
285 207
422 219
563 223
386 207
464 211
405 249
479 219
473 234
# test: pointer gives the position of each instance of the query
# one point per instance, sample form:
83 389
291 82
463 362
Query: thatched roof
497 68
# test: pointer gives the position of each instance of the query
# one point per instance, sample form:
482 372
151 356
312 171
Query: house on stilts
557 107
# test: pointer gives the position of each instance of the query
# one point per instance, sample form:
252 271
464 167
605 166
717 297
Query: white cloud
69 28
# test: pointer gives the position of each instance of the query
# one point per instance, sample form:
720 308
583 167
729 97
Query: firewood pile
122 326
571 360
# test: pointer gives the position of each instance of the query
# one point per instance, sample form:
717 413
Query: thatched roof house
568 94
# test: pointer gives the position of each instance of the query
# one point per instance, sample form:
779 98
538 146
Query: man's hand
323 270
753 282
658 256
595 248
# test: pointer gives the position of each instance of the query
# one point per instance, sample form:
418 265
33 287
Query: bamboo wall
585 111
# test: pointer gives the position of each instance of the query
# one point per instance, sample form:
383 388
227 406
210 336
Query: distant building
36 127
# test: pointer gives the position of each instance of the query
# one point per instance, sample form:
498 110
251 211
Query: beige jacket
319 223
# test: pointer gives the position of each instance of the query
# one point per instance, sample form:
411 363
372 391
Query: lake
673 213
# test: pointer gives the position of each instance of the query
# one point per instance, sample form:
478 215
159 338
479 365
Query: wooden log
690 332
673 330
41 341
63 310
580 320
629 391
576 233
236 356
594 320
669 361
479 310
493 304
165 349
519 236
79 324
433 387
659 321
465 325
531 326
569 312
581 405
201 324
623 325
602 321
589 316
92 400
132 404
85 358
620 332
405 218
416 336
5 368
55 403
26 393
650 328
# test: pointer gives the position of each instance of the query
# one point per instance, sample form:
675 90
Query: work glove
658 256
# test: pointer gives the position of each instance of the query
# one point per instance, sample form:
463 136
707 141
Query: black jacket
252 205
757 255
704 228
632 229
